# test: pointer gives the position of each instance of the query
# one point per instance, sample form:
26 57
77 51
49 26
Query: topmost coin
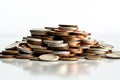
64 25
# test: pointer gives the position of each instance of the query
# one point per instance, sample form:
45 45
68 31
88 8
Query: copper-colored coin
69 58
6 56
35 59
53 33
10 52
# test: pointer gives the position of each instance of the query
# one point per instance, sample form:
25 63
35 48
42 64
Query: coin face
49 57
114 55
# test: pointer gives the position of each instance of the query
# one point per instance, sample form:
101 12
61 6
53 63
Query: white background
95 16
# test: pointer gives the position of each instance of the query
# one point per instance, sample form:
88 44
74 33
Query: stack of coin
65 42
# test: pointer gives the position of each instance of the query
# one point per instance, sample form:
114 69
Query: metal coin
93 57
114 55
49 57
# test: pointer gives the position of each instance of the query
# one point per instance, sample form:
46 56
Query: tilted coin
49 57
12 46
24 50
113 55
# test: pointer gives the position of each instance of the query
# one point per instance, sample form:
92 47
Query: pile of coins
65 42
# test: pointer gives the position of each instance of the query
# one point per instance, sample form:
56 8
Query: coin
39 31
74 43
54 33
51 28
65 25
34 58
6 56
23 56
93 57
76 50
34 41
114 55
12 46
61 52
23 50
58 45
10 52
49 57
69 58
68 28
52 41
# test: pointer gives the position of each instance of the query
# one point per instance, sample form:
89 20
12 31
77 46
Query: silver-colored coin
58 45
61 52
49 57
24 50
114 55
34 39
52 41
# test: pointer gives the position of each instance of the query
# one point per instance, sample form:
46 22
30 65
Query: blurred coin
24 50
69 58
23 56
6 56
114 55
52 41
68 28
34 58
39 31
51 28
12 46
10 52
49 57
58 45
65 25
93 57
55 33
61 52
34 41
